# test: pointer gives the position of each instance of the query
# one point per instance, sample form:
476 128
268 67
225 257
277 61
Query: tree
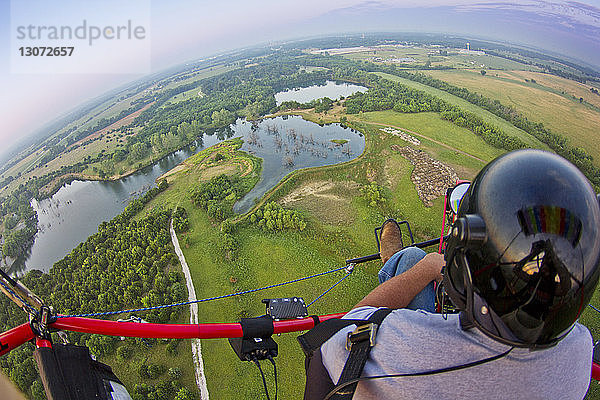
37 390
184 394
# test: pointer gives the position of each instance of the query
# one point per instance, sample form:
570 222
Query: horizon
571 36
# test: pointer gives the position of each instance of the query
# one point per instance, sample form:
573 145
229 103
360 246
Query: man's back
415 341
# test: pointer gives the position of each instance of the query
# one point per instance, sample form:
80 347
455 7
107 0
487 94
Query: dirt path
196 347
428 138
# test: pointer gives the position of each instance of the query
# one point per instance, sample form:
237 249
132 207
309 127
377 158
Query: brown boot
391 240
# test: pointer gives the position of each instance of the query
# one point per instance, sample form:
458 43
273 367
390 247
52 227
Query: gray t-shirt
413 341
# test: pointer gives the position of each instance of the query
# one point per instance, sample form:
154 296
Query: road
196 347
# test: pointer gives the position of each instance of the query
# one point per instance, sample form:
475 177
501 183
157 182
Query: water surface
284 143
333 90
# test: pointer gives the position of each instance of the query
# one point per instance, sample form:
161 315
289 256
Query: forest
249 92
128 264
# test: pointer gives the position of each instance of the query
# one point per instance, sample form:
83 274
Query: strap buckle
362 333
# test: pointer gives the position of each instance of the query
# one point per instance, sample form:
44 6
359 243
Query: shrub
124 353
274 217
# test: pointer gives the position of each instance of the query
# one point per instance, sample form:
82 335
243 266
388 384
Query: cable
423 373
274 373
31 311
593 307
328 290
107 313
262 375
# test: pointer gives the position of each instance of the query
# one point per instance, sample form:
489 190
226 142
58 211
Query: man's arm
398 291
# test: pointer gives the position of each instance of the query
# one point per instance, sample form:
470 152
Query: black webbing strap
314 338
361 342
361 346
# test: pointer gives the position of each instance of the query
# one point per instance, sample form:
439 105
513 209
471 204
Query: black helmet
522 258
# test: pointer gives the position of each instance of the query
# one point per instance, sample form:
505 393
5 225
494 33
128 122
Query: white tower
468 46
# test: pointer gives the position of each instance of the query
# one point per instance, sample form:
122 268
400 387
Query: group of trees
180 220
560 144
129 263
217 196
388 95
273 217
320 105
373 194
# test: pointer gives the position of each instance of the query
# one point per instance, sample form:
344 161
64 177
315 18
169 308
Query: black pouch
68 372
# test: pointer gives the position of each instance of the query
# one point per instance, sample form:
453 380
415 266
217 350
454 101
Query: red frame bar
15 337
595 371
21 334
177 331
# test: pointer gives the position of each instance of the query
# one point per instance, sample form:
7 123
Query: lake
289 143
333 90
284 143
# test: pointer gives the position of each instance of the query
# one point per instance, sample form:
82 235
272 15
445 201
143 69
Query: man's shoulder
413 325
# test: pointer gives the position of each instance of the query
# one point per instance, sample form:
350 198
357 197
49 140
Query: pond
284 143
289 143
333 90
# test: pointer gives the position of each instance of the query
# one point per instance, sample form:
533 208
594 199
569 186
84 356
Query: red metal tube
440 248
15 337
39 342
176 331
595 371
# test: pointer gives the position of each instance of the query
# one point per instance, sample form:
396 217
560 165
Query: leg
402 261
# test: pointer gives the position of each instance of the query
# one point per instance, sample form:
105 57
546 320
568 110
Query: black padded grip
257 327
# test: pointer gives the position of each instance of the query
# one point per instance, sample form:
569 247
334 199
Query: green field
201 74
340 226
543 101
487 116
454 58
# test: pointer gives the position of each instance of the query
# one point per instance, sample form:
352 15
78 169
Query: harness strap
359 343
314 338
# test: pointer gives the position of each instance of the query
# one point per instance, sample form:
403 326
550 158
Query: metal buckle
362 333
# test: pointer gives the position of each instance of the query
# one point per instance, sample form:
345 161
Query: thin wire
97 314
274 373
328 290
593 307
262 375
32 310
416 374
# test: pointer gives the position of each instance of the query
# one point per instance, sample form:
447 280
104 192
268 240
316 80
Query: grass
431 126
264 258
487 116
196 92
543 101
204 73
339 141
127 370
454 59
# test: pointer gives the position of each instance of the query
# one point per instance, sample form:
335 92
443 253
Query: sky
183 30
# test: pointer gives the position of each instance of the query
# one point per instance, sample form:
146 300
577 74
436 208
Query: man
522 263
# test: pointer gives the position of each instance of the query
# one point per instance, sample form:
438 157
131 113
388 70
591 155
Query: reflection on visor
457 194
550 219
